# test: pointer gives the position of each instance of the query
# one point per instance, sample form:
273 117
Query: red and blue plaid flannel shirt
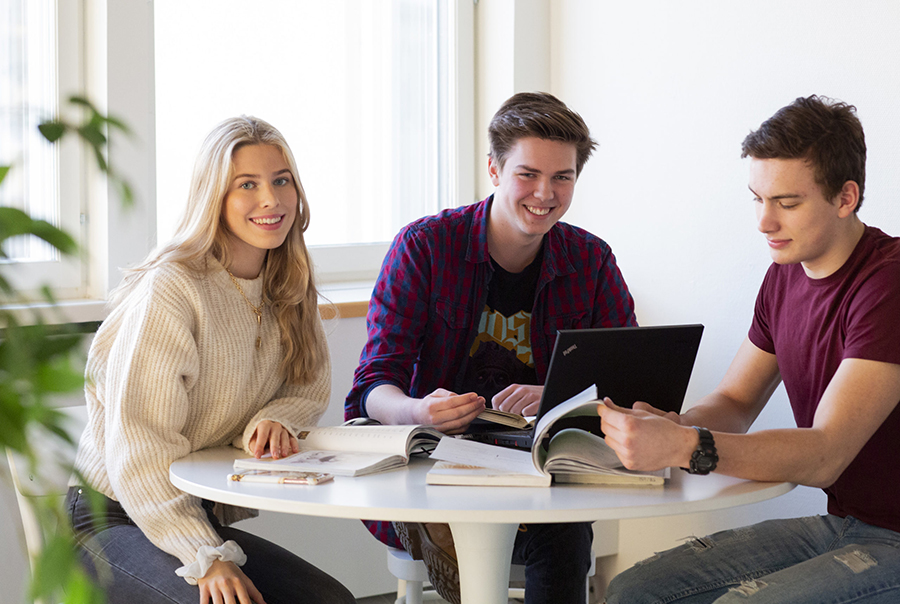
424 312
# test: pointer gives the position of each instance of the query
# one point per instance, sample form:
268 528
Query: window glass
39 64
358 88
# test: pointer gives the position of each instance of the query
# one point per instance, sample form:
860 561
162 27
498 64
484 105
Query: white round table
483 520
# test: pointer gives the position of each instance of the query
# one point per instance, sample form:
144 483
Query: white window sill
351 299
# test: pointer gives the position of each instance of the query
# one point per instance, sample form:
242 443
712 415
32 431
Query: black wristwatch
704 458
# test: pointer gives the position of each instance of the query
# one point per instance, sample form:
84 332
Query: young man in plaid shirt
465 313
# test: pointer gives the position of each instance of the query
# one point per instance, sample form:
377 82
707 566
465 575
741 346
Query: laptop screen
628 364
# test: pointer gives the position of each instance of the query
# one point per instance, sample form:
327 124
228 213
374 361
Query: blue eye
281 181
247 185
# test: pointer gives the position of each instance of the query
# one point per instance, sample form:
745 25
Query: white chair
55 459
412 576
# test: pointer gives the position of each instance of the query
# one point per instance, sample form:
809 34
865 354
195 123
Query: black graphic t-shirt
501 353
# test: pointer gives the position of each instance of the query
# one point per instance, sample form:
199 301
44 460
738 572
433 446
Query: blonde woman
215 339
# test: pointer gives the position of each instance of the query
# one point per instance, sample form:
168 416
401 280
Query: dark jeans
557 558
116 552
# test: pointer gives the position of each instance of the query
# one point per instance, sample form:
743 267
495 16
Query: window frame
118 47
339 265
68 275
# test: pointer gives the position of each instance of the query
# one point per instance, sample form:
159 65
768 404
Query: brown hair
824 132
539 115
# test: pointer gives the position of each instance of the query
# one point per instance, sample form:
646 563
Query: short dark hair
539 115
825 132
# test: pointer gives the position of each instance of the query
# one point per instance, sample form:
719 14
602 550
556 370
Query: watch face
703 463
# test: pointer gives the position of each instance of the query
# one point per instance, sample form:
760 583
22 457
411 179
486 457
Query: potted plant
40 361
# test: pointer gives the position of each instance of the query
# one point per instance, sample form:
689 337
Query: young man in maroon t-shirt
826 323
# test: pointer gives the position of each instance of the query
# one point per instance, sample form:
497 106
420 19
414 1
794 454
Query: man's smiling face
534 187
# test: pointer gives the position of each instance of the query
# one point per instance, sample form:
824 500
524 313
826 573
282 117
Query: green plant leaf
93 134
80 100
3 172
52 131
15 222
58 377
58 238
101 161
12 419
118 124
126 193
53 567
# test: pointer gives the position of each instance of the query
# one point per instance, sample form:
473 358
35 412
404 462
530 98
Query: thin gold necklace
257 310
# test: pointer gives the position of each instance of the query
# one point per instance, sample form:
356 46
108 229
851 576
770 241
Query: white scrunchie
206 555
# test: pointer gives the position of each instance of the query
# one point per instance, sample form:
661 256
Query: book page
584 403
504 418
581 449
469 452
449 473
392 440
339 463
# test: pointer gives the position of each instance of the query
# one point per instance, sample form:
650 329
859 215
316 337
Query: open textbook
350 450
505 418
571 455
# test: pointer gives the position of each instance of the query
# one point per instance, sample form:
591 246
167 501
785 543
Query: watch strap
705 457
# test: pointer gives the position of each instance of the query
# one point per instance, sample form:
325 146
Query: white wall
669 90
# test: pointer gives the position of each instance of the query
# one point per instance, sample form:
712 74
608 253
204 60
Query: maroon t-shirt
811 325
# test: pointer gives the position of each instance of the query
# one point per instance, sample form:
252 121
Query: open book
505 418
350 450
572 455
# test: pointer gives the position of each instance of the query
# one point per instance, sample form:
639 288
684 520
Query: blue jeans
556 559
815 560
117 553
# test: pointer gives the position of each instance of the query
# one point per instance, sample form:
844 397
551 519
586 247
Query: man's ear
494 170
848 198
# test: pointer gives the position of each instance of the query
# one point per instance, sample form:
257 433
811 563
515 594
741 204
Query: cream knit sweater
175 369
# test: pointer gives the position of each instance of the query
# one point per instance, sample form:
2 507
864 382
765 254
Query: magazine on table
571 455
353 450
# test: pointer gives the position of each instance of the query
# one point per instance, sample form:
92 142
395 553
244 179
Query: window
363 91
40 63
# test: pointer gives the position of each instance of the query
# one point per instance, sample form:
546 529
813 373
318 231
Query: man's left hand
518 398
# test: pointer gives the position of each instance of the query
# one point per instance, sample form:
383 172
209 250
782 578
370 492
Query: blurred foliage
39 361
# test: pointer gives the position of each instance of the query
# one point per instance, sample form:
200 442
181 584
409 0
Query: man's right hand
449 412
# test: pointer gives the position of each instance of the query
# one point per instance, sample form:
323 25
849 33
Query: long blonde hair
288 282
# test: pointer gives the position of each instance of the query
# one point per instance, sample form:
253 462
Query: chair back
48 478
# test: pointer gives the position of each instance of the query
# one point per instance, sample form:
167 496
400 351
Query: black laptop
627 364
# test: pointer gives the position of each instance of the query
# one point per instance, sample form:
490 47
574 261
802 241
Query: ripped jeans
814 560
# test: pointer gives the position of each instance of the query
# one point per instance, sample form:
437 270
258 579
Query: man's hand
518 398
646 438
447 411
272 436
225 583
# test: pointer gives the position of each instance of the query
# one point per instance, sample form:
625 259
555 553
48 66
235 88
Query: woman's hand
225 583
272 436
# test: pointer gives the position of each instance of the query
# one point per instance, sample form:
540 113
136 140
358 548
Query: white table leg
484 552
